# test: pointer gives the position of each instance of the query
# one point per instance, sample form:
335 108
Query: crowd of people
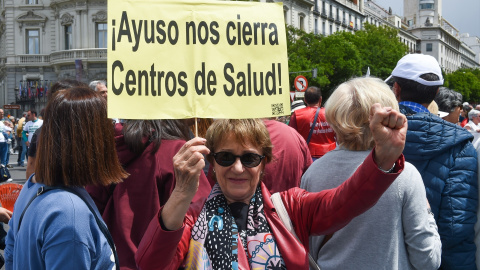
383 176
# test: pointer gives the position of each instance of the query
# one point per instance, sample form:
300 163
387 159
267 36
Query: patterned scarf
214 240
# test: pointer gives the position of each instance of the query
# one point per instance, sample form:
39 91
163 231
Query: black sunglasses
248 160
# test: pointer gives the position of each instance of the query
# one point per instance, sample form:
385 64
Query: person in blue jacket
60 229
443 154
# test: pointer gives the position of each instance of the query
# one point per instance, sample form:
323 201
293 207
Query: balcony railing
30 97
33 59
60 57
84 54
330 16
349 4
23 99
324 13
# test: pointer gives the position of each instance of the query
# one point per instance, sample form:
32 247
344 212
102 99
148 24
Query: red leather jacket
323 136
311 214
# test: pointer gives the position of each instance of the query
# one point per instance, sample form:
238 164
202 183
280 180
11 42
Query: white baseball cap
412 66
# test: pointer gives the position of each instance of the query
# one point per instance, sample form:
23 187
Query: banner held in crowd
207 59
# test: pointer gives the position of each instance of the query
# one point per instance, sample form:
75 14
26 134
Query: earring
214 171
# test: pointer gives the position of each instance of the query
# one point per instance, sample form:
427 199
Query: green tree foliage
466 82
340 60
343 55
380 49
302 49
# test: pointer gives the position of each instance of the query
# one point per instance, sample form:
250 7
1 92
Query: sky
463 14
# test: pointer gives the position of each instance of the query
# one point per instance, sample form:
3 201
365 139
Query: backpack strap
285 218
101 225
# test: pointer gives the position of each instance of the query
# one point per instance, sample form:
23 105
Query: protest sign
207 59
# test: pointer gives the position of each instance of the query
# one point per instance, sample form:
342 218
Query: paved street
18 173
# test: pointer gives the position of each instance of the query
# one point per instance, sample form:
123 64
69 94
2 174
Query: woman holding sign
237 226
145 148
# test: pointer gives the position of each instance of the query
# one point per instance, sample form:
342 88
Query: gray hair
473 113
447 100
93 84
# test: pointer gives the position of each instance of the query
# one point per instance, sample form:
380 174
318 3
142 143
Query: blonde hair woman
398 232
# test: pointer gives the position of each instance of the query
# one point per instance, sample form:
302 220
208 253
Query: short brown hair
76 146
245 131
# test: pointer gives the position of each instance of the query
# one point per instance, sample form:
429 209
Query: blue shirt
58 231
418 108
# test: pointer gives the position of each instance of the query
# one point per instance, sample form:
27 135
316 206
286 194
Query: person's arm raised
389 131
188 164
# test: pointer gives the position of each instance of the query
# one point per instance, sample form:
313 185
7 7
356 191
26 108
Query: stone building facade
42 41
439 38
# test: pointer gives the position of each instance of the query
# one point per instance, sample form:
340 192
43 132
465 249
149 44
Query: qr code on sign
277 109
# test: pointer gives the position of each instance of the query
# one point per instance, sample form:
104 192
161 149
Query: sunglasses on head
248 160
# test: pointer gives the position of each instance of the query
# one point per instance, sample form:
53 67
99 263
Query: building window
427 6
101 41
285 15
316 26
429 47
331 29
33 41
32 2
68 37
323 28
302 23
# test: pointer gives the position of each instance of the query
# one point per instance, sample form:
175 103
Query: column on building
85 35
78 36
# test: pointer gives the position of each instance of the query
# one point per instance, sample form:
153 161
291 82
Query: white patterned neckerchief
214 239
